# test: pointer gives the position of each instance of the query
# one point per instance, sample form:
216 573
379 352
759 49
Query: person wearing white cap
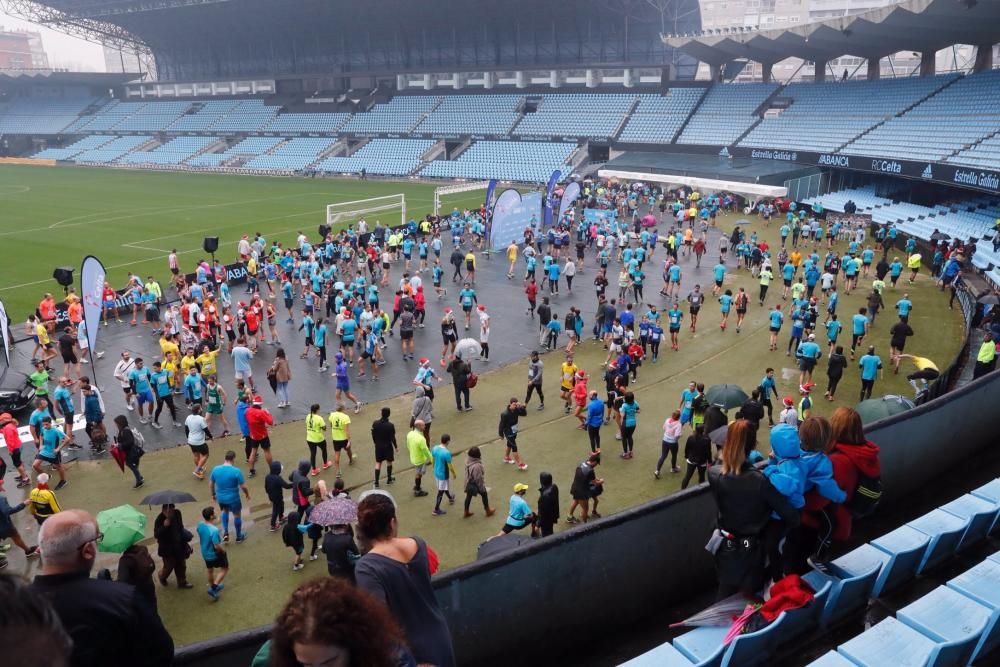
807 353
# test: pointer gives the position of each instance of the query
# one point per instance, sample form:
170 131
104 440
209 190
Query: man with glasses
109 622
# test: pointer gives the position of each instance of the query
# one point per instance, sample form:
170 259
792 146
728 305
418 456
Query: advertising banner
570 195
599 215
92 275
550 203
5 323
511 214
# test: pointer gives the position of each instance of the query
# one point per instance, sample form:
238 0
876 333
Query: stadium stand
171 153
504 160
478 122
657 118
65 153
823 117
726 113
38 116
203 115
243 150
953 120
113 150
954 624
293 155
307 122
596 116
966 219
985 154
385 157
400 114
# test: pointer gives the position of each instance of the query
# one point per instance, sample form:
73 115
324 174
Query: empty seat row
953 626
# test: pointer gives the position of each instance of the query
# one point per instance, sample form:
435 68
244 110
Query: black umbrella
726 396
718 435
989 299
168 497
497 545
939 236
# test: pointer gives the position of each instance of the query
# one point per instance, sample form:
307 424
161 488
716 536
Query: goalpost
455 189
336 213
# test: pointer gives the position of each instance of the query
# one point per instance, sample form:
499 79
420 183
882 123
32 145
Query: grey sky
64 51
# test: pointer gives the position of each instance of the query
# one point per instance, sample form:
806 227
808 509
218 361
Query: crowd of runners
341 302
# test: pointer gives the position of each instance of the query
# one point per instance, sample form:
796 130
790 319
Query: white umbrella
468 348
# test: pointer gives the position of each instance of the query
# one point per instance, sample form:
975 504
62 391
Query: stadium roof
65 78
910 25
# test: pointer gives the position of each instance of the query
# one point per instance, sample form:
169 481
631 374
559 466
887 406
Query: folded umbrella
720 614
168 497
122 527
337 511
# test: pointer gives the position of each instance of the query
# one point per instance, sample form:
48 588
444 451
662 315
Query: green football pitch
131 220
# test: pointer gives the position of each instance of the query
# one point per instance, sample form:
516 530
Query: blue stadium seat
852 577
664 655
990 492
981 515
946 532
703 646
904 548
832 659
982 584
891 643
953 620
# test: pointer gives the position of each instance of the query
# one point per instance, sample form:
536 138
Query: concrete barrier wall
618 569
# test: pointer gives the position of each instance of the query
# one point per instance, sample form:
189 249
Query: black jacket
384 433
745 501
459 371
508 421
835 365
544 314
170 539
109 622
274 485
698 450
753 411
548 504
126 442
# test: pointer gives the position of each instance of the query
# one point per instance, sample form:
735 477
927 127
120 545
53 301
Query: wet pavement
513 335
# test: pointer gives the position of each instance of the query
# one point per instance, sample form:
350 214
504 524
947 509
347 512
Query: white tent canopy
749 190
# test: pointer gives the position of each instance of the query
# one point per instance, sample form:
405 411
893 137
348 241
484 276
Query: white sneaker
155 425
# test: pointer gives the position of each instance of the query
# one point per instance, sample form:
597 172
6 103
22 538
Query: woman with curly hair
330 623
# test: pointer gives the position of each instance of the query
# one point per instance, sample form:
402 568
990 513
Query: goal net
351 211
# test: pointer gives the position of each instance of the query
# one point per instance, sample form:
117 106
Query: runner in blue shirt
51 443
859 329
833 328
871 368
904 306
775 318
895 270
444 471
674 317
725 303
720 275
225 484
140 380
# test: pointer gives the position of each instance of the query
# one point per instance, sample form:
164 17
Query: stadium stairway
920 601
625 118
691 114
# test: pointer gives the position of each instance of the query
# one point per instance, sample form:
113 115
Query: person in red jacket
852 455
258 419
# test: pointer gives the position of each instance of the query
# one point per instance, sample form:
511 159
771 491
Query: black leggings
470 496
654 346
866 388
322 355
313 446
637 289
169 400
770 409
831 384
627 442
689 473
277 511
665 449
537 389
594 433
486 350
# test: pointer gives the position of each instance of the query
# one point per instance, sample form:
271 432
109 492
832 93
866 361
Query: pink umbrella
648 220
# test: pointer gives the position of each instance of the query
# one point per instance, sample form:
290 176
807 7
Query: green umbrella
726 396
122 527
879 408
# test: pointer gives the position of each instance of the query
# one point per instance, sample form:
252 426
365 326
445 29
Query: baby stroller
98 437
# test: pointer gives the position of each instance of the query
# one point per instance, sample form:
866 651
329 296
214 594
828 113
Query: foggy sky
64 51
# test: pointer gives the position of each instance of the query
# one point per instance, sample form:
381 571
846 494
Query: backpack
867 496
140 442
